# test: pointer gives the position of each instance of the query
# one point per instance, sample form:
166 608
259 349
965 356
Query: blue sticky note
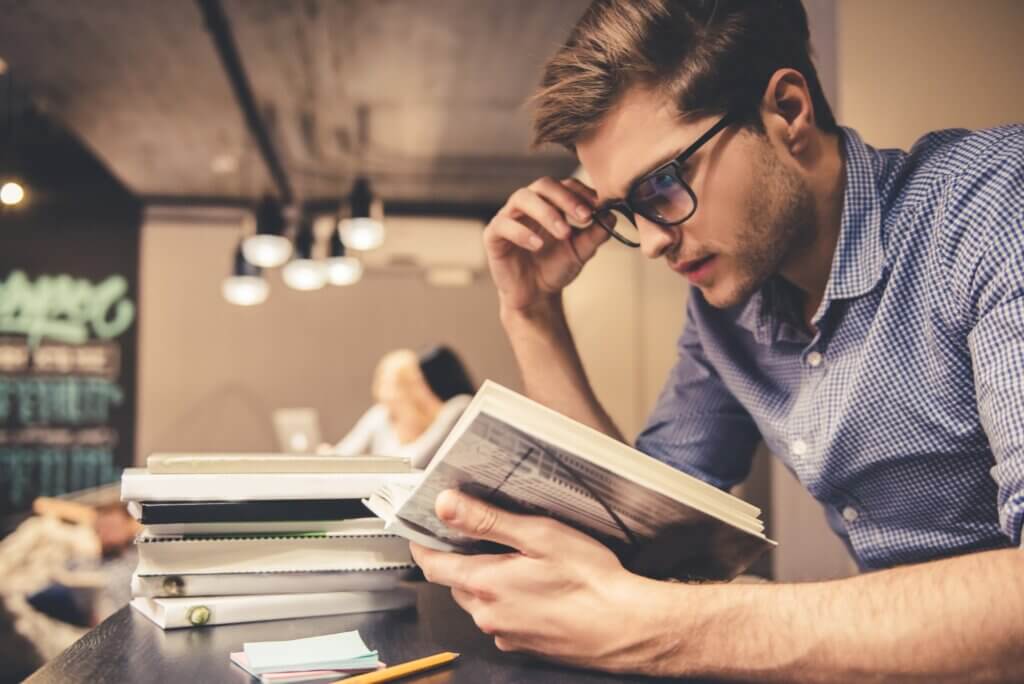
343 651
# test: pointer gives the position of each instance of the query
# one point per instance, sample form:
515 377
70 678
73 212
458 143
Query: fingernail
447 505
536 242
582 212
563 228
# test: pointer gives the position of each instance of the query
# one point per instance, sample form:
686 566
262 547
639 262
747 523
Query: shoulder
458 403
983 210
375 415
952 201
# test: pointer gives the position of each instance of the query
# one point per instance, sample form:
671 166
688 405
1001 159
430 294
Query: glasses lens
663 198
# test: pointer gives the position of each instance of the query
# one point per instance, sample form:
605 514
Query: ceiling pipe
220 30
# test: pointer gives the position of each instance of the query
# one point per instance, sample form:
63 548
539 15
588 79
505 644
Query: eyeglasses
661 196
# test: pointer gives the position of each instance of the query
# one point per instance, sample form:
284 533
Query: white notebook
138 484
380 578
171 613
316 552
249 528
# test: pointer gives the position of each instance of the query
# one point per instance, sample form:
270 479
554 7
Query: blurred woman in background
418 399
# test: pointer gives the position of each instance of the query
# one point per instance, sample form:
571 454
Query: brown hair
709 56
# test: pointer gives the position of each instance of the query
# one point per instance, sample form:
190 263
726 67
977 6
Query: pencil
396 671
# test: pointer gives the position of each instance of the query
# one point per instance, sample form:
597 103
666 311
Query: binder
270 553
379 578
173 613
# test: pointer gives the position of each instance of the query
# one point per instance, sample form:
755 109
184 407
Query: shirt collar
857 264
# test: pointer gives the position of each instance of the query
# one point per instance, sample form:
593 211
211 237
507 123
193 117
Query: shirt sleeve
357 441
985 219
697 426
996 343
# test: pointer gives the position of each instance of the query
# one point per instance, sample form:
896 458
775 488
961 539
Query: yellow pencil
395 671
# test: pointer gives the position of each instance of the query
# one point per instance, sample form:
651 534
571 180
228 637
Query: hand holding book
560 593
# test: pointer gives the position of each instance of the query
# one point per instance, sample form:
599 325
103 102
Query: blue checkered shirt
904 414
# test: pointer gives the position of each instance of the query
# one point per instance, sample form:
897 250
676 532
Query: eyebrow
652 167
648 169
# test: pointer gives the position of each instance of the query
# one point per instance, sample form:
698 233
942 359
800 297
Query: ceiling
441 85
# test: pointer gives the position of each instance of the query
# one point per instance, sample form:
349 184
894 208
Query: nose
655 239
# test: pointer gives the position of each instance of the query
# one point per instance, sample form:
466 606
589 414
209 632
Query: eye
663 181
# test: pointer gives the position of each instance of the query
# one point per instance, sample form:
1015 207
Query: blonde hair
398 381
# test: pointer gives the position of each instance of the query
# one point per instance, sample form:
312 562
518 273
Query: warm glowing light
344 270
11 193
304 274
267 251
361 233
245 290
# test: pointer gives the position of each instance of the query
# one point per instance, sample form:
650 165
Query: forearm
550 364
950 620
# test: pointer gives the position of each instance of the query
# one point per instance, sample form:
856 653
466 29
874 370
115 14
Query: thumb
586 241
480 520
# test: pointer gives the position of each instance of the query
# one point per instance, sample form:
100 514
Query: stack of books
238 538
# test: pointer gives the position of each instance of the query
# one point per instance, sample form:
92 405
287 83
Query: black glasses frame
673 167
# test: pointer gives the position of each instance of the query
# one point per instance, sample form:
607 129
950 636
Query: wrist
546 312
679 628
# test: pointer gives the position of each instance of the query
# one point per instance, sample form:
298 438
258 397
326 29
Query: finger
473 574
466 600
531 535
528 202
574 199
587 241
481 611
505 229
580 220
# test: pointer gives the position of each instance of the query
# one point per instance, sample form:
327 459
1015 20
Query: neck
810 267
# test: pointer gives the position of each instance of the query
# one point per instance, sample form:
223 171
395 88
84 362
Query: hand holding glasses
532 250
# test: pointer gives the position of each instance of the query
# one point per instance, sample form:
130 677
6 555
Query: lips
691 265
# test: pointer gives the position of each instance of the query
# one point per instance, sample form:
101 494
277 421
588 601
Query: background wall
909 67
210 373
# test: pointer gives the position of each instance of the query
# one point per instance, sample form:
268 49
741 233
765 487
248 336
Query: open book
526 458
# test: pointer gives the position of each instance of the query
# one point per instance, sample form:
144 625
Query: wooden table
129 648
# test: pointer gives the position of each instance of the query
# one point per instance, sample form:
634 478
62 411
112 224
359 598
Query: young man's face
753 210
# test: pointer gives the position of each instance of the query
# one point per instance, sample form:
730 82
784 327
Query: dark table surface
129 648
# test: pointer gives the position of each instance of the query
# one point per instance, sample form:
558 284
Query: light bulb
304 274
267 251
245 290
361 233
344 270
11 193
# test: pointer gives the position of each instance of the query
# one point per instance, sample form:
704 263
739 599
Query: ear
788 112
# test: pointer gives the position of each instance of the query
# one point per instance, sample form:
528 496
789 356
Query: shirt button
850 514
814 359
798 447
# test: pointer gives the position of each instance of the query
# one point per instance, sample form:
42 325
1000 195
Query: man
860 310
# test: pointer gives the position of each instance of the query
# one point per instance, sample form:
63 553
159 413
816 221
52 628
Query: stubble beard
780 224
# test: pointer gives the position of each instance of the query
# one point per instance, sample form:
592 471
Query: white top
373 434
